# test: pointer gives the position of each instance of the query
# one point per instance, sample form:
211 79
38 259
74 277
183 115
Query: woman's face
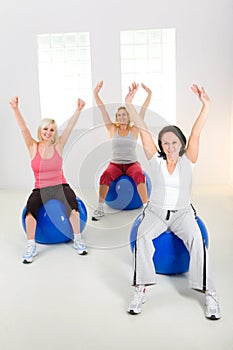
47 132
171 145
122 116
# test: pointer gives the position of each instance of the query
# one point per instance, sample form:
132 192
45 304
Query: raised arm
148 143
146 102
194 139
70 125
30 142
107 121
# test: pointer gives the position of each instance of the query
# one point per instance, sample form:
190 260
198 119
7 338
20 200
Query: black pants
40 196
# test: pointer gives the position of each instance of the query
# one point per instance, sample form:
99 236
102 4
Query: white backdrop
204 34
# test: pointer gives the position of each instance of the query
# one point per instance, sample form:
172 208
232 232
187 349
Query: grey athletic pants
183 224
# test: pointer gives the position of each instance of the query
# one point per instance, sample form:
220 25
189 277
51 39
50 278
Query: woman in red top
50 183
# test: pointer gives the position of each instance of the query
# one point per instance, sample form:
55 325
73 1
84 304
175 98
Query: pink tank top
48 172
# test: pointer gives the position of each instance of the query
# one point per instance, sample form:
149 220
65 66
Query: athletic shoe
29 253
139 298
97 214
212 311
80 246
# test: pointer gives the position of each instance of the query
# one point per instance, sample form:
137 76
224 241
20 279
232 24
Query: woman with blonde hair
124 159
50 183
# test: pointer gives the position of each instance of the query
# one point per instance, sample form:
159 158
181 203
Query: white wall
204 55
231 152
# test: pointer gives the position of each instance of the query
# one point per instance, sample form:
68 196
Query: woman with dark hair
124 159
170 206
50 183
178 133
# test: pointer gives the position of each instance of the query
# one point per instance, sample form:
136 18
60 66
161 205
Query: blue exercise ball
53 226
123 193
171 257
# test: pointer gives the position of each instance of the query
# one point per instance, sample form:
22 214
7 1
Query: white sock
77 236
210 292
101 205
31 241
141 288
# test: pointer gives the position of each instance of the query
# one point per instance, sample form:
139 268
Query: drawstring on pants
169 213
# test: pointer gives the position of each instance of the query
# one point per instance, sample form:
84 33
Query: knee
106 178
31 212
74 212
31 216
138 178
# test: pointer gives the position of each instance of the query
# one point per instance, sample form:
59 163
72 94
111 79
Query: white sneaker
80 246
29 254
212 311
139 298
97 214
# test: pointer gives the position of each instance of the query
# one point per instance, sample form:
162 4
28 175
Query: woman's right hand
98 87
14 102
132 91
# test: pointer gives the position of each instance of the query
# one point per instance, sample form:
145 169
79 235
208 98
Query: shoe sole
29 261
95 219
213 317
132 312
82 252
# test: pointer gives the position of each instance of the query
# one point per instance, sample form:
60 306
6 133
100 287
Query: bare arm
194 139
107 121
70 125
144 107
29 140
148 143
146 102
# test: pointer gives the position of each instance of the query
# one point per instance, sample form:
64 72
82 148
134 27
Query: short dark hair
178 133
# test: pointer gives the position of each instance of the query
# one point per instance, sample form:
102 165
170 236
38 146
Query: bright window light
64 64
148 56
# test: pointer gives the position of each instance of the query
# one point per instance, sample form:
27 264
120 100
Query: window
64 65
148 56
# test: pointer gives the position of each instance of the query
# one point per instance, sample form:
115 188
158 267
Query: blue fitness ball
53 226
171 257
123 193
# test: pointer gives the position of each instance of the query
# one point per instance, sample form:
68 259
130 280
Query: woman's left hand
80 104
201 94
146 89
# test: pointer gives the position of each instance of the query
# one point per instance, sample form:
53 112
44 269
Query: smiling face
48 131
122 116
171 145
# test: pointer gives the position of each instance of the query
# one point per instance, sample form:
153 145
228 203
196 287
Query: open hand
146 89
201 94
132 91
98 87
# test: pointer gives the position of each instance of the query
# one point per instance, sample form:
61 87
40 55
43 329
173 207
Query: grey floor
65 301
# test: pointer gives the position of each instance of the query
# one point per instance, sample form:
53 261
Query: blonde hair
116 122
45 122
